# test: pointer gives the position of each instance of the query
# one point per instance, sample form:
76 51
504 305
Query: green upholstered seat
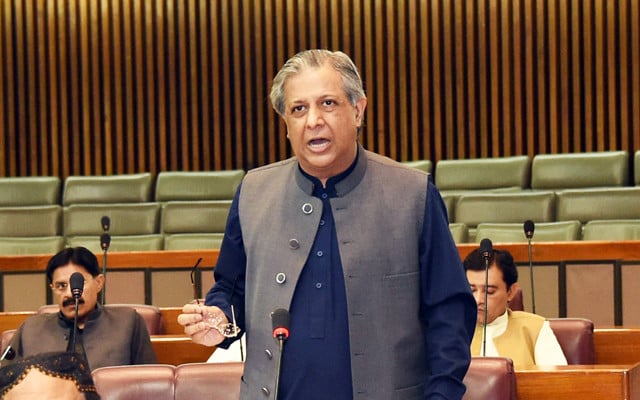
32 221
152 242
29 191
544 232
475 208
625 229
126 219
207 185
483 174
195 216
127 188
31 245
459 232
580 170
422 165
193 241
603 203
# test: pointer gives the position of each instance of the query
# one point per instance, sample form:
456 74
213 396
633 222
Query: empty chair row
543 172
606 230
545 206
149 226
126 188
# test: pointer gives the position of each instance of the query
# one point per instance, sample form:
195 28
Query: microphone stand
72 341
281 346
533 296
105 241
486 298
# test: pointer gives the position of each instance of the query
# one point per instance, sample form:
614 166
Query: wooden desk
179 349
617 345
585 382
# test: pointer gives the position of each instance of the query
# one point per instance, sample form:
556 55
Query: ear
512 291
100 281
361 105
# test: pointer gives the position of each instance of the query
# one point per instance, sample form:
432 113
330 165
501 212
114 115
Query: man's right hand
192 318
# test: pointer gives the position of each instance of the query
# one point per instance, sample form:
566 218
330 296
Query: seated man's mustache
72 301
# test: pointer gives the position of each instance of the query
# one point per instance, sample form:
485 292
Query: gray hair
316 58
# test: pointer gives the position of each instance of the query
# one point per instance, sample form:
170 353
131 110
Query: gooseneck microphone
529 227
76 282
105 241
486 250
280 324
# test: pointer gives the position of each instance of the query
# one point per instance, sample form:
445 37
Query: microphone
280 324
76 282
486 250
105 222
529 227
105 242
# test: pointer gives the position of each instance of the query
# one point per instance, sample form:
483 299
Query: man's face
62 291
322 125
497 294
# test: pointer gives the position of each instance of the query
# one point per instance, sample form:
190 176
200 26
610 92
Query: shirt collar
338 185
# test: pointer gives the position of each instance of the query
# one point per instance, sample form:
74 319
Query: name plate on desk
585 382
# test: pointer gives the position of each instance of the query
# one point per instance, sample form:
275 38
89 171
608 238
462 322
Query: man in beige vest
524 337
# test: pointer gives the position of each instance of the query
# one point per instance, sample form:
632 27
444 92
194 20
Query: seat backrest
422 165
151 314
153 242
514 232
473 209
193 241
29 191
597 204
195 216
214 381
126 219
127 188
7 336
32 221
575 336
517 302
490 378
459 232
197 185
32 245
135 382
483 173
580 170
624 229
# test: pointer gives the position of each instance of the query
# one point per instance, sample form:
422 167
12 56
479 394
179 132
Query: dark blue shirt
316 360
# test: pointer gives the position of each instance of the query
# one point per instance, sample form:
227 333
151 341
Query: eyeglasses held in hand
229 329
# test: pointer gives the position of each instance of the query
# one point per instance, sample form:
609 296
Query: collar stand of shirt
330 188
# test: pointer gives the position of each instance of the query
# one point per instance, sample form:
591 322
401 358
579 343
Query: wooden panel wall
123 86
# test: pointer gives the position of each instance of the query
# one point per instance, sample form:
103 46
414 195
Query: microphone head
105 222
529 227
486 248
105 241
77 284
280 323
